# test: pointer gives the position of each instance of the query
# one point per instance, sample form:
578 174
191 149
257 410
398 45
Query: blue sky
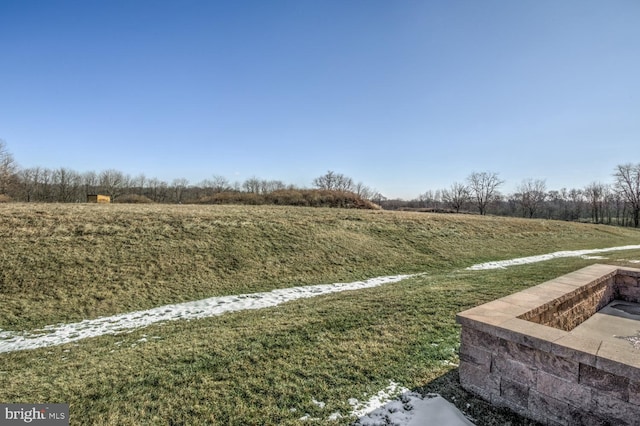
405 96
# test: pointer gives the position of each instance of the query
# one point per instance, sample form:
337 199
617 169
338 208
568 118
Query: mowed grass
68 262
262 367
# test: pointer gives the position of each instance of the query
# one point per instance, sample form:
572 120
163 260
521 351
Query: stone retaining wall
537 368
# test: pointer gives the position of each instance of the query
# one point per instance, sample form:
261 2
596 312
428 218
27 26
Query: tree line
65 185
616 203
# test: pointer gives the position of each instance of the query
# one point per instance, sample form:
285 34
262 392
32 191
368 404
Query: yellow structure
97 198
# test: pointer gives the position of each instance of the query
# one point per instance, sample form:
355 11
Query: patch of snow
378 400
59 334
541 258
413 409
318 403
335 416
308 418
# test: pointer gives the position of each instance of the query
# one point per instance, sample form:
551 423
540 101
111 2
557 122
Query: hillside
66 262
318 358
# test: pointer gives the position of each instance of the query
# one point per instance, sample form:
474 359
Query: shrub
233 198
133 199
4 198
293 197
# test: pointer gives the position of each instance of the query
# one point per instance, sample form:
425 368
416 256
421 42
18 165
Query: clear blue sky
404 96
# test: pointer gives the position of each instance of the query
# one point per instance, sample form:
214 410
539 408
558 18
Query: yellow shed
97 198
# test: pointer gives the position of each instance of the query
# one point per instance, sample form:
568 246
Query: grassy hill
63 263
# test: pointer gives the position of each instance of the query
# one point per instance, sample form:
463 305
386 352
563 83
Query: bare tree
334 182
269 186
138 183
364 191
158 190
431 199
68 183
29 180
252 185
179 186
45 191
112 182
576 196
8 168
90 182
531 195
628 183
457 196
220 184
484 188
595 196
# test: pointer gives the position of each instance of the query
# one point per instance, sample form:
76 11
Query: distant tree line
64 185
615 203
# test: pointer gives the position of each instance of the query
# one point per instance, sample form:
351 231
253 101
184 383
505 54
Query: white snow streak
376 401
59 334
533 259
407 409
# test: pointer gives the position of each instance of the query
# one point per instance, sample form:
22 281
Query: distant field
64 263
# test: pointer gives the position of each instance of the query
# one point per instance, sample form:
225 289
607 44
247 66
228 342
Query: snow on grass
376 401
409 409
59 334
384 408
534 259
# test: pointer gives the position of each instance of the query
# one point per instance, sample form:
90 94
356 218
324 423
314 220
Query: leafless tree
484 188
334 182
457 196
8 168
29 181
268 186
365 192
617 204
158 190
595 196
112 182
139 183
179 186
531 196
576 197
431 199
628 184
252 185
220 184
90 182
45 191
67 183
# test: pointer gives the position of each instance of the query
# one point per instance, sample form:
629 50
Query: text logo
34 414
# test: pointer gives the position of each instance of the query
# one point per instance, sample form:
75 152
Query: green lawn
69 262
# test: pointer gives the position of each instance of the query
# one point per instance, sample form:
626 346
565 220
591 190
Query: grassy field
64 263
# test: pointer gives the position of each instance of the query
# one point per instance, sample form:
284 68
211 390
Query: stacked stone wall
542 380
628 286
551 389
576 307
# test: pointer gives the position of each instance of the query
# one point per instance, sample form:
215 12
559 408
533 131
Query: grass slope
70 262
65 262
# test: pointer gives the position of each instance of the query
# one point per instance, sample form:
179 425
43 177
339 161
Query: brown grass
69 262
65 262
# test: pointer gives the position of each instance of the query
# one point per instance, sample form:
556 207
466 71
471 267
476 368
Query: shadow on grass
478 410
